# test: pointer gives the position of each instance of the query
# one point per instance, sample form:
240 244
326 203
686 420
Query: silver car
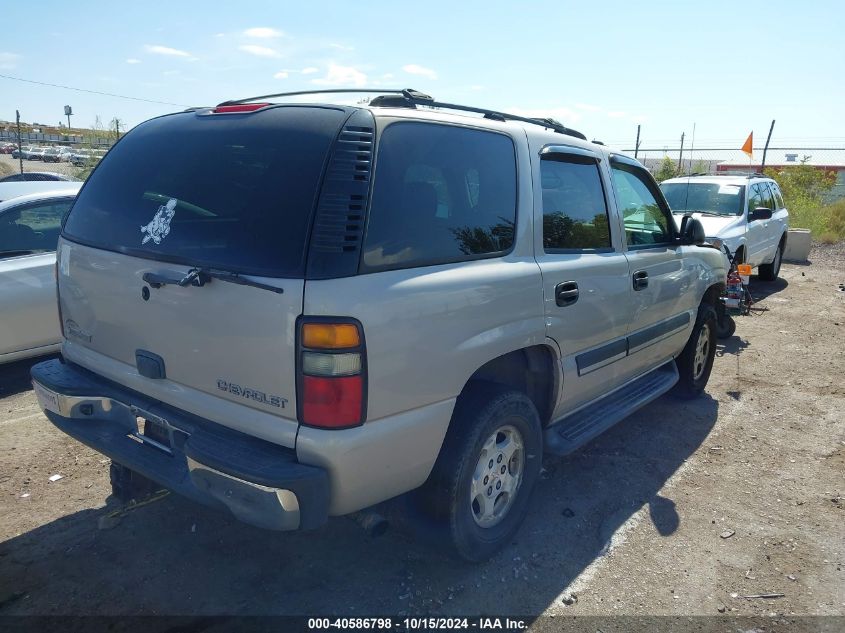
29 230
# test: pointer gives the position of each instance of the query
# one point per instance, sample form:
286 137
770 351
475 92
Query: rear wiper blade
203 275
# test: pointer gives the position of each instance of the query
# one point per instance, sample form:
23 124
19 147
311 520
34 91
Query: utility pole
20 152
681 155
691 150
766 148
637 144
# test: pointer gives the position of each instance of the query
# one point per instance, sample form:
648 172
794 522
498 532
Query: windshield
704 197
233 192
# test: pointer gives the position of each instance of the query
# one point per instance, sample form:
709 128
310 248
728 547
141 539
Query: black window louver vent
339 223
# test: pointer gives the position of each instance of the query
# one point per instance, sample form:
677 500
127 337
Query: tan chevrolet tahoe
293 311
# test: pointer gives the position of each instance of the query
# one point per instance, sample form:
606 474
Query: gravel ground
832 255
685 508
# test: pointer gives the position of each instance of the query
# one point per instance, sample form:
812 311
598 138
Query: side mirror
760 213
692 231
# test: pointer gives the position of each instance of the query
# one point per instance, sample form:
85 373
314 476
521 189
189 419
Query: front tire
770 272
488 466
696 361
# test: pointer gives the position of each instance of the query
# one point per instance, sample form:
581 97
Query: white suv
746 213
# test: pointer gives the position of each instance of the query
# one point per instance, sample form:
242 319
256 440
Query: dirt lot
684 508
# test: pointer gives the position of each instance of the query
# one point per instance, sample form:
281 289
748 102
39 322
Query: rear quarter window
441 194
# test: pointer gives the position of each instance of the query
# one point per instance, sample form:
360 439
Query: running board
578 428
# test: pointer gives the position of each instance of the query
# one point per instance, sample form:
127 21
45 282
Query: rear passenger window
574 208
441 194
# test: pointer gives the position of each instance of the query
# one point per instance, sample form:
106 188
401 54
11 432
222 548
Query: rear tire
725 323
770 272
489 463
696 361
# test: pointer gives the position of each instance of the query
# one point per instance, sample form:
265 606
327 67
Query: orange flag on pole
746 147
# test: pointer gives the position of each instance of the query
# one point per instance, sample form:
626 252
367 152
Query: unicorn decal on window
159 226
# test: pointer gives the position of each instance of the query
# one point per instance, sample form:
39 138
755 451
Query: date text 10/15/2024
417 624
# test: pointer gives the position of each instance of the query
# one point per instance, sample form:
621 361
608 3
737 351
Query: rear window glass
234 192
724 199
441 194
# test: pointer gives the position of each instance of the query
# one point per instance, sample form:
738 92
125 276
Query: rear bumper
261 483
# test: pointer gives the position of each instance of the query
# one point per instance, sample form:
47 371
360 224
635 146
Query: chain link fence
720 160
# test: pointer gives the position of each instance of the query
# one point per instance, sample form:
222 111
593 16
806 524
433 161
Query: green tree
804 187
803 184
667 170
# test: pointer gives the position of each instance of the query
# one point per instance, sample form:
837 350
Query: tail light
331 373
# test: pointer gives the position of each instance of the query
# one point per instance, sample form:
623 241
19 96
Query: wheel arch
713 293
532 370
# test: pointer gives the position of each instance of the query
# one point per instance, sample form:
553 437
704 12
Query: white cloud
260 51
281 75
415 69
166 50
342 76
310 70
8 60
263 32
132 60
219 35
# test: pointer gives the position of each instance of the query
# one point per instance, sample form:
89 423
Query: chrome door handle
640 280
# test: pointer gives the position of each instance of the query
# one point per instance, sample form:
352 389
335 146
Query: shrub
836 218
667 170
803 188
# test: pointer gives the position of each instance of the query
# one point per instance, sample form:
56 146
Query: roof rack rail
414 98
737 172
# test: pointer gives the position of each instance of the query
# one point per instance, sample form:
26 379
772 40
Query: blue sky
600 67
